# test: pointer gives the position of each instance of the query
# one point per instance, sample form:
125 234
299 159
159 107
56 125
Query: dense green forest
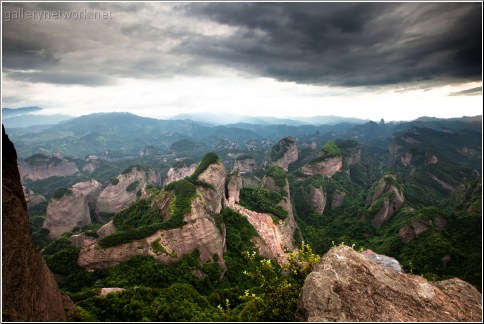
434 231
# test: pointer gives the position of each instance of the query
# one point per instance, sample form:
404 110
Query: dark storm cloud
469 92
346 44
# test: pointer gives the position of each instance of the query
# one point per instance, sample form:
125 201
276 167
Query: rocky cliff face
317 199
234 184
200 232
347 286
175 174
273 238
92 163
284 152
352 155
72 210
244 165
38 167
31 198
29 290
116 197
327 167
338 199
385 199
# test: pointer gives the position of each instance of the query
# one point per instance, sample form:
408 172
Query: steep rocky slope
38 167
274 238
384 200
284 153
176 173
71 210
347 286
199 230
120 193
29 290
31 198
244 164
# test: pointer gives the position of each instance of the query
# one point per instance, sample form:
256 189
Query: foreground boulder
347 286
29 290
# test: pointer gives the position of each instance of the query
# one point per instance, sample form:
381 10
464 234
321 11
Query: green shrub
157 247
263 201
61 192
330 149
114 181
132 186
208 159
278 174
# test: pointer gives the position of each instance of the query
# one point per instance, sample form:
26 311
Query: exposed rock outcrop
71 210
199 232
107 291
177 173
284 152
29 290
384 200
244 164
118 196
317 199
92 163
81 240
346 286
234 184
338 199
327 167
38 167
106 229
274 239
417 227
31 198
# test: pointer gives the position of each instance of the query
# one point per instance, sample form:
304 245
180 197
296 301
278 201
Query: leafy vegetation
330 149
141 220
280 148
61 192
132 186
278 174
263 201
208 159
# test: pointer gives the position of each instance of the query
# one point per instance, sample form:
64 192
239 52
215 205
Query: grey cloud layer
345 44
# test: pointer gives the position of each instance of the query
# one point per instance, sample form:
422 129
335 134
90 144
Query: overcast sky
396 61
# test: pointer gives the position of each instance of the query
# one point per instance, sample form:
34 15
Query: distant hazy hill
127 134
26 117
226 119
10 112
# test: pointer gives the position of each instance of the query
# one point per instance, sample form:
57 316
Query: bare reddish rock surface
327 167
391 203
116 197
274 238
175 174
290 155
317 199
31 198
346 286
200 232
41 167
29 290
70 211
243 166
